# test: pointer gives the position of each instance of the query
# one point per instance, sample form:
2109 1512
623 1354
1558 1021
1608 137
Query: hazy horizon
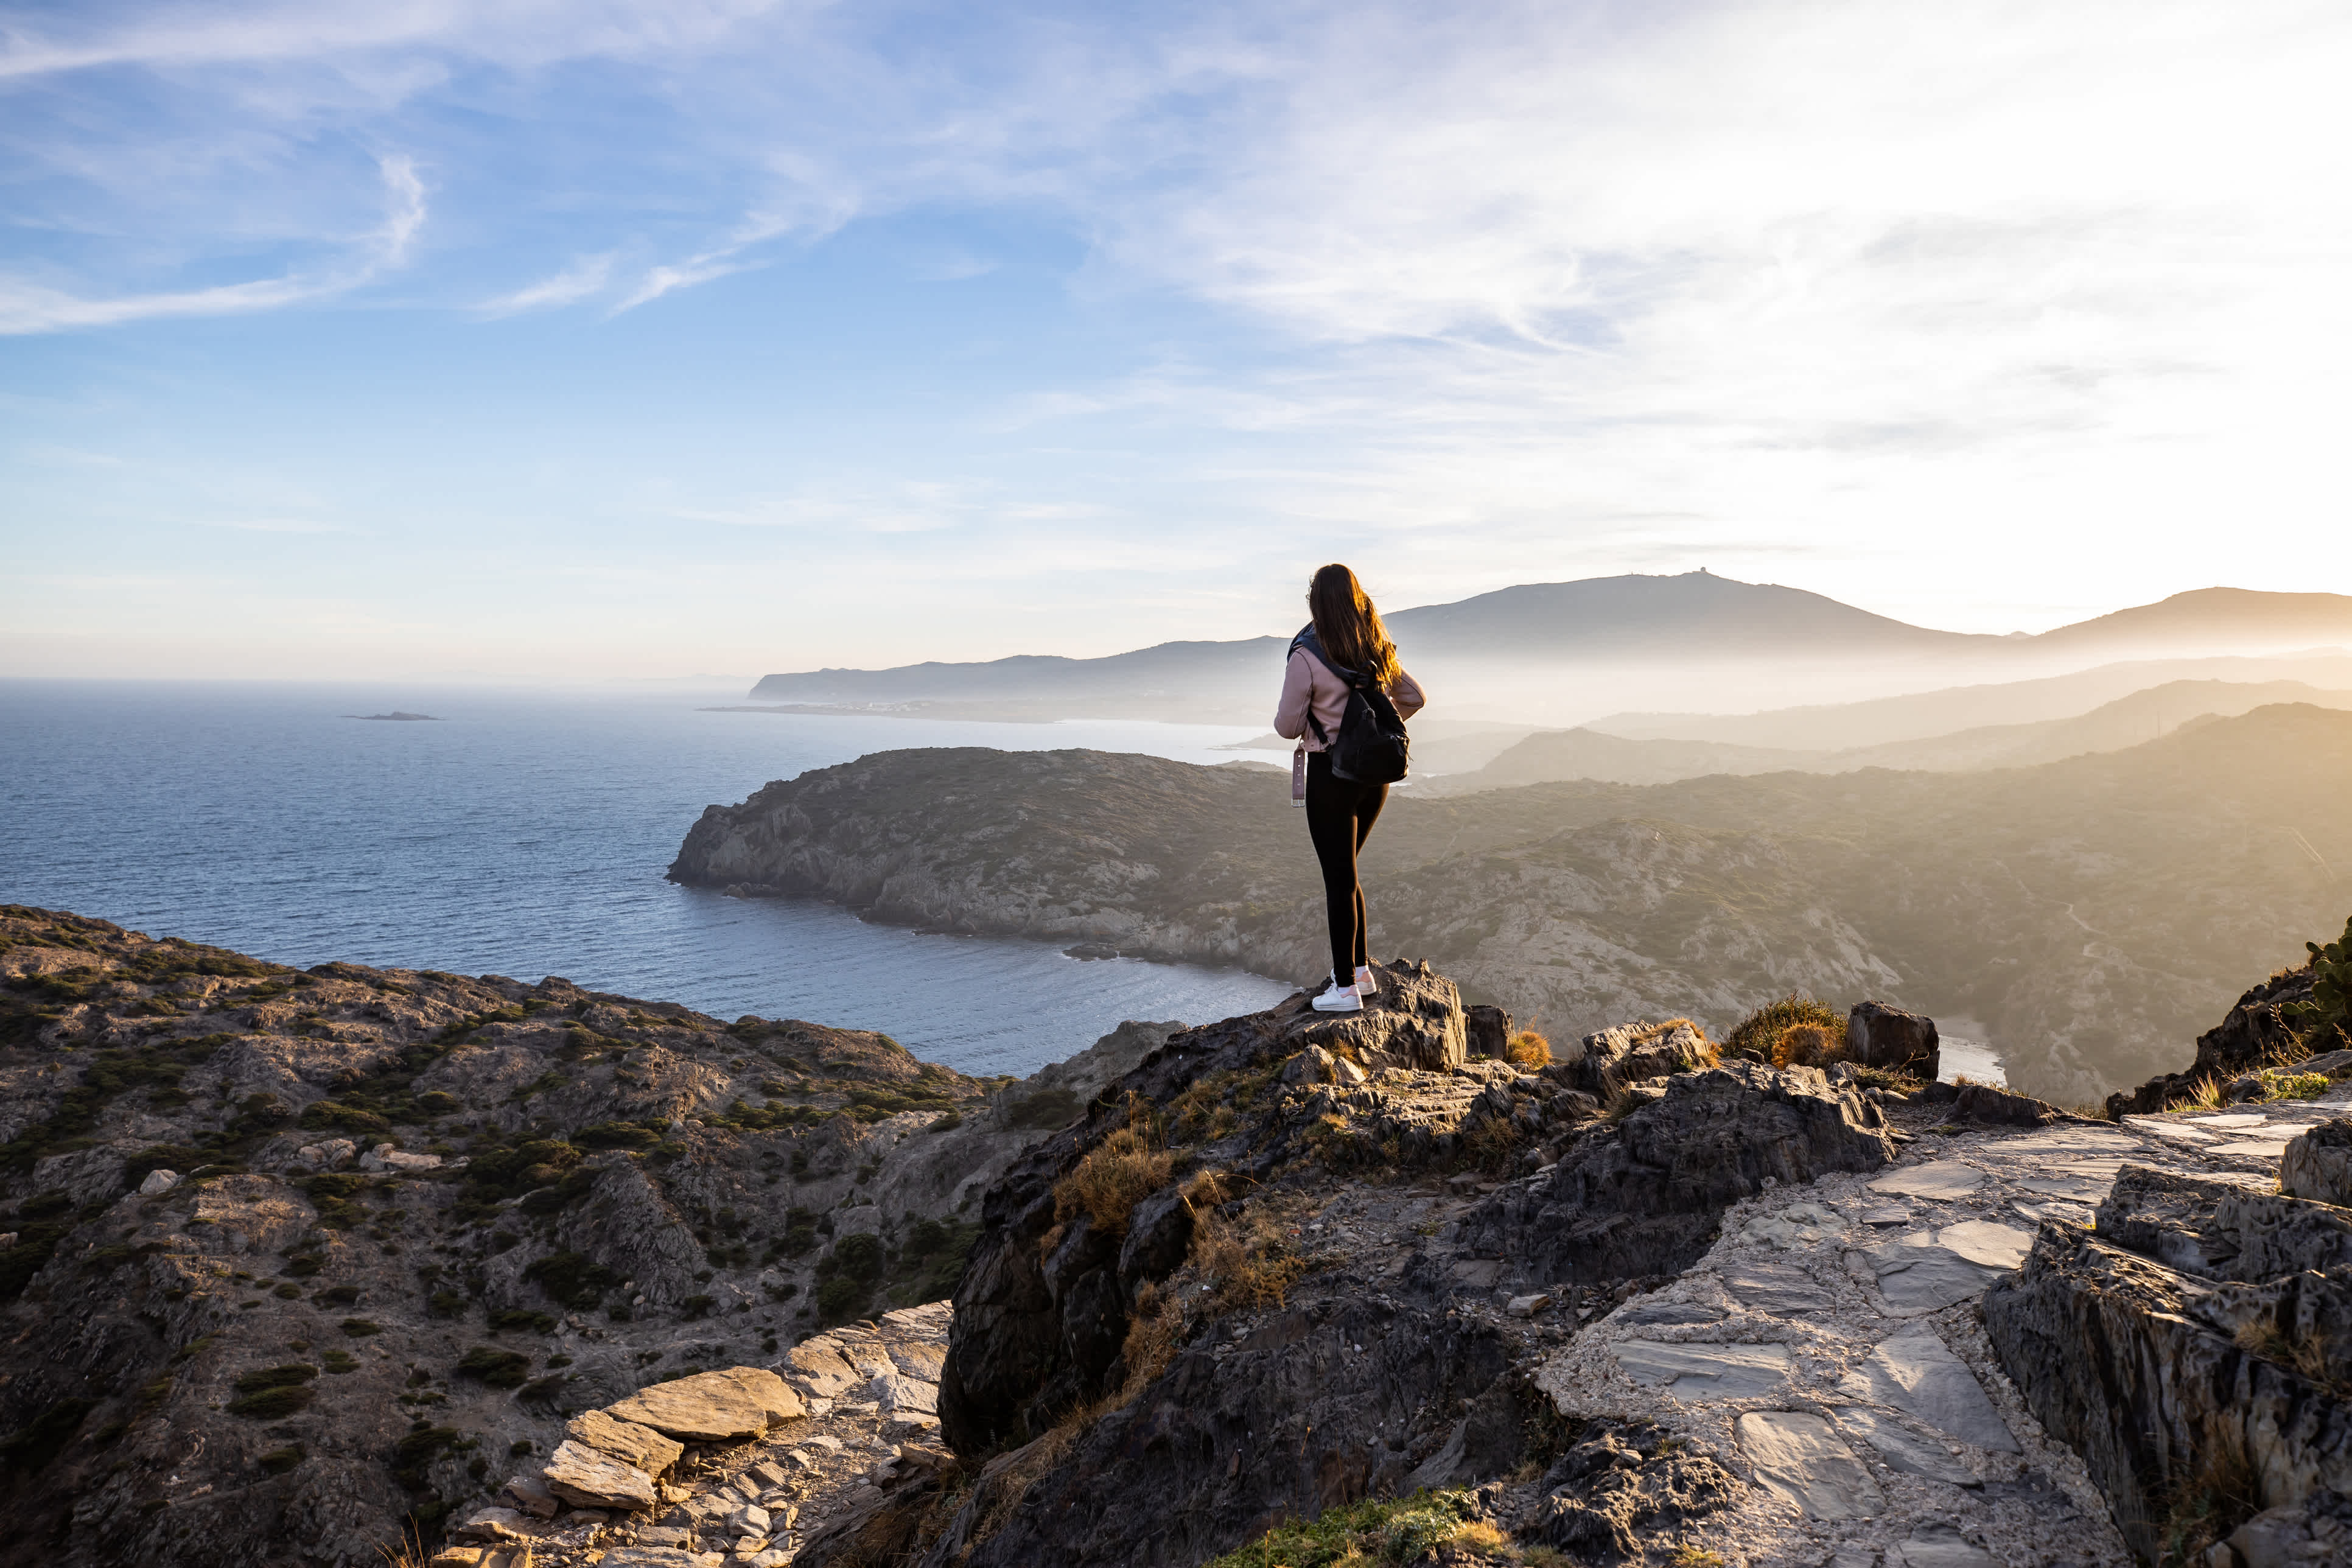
620 340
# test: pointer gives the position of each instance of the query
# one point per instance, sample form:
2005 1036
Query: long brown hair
1348 626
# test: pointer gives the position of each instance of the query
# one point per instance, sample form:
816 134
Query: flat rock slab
1904 1449
1916 1373
1914 1278
899 1394
2069 1141
1936 1546
580 1475
1799 1457
1987 1242
1941 1179
1883 1215
820 1371
1652 1313
2073 1189
1701 1371
2171 1132
2249 1150
725 1406
2234 1119
626 1441
1779 1289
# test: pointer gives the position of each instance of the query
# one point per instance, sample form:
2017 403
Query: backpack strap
1313 644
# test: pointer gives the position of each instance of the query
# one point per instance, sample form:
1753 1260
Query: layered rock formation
289 1258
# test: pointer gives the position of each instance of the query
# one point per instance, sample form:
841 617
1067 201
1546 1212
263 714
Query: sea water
525 833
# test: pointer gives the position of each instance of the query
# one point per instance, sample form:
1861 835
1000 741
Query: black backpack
1371 746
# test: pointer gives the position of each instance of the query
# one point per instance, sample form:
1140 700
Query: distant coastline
396 716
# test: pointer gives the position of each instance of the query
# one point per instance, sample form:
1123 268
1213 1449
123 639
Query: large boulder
626 1441
1642 1196
2184 1349
725 1406
1878 1036
592 1478
1602 1064
2318 1164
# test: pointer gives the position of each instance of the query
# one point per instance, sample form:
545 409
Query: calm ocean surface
526 835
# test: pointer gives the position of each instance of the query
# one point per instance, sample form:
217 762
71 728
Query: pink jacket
1308 685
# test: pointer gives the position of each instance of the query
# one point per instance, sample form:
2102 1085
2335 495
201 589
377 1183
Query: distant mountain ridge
1695 620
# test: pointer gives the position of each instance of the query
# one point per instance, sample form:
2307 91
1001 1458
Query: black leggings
1340 818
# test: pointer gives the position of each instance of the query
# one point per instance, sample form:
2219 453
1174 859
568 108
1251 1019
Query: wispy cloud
29 306
584 278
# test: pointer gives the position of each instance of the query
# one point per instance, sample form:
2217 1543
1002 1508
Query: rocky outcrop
2255 1033
340 1246
1641 1196
2318 1164
2188 1347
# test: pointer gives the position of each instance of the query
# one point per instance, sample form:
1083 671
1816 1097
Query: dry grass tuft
1688 1556
1480 1537
1117 1174
2304 1355
1758 1037
408 1551
1807 1045
1248 1261
1527 1049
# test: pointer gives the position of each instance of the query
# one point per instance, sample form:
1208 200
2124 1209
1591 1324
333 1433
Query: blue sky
650 339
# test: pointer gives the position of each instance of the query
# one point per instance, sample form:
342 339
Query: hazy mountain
1557 651
1920 715
1586 754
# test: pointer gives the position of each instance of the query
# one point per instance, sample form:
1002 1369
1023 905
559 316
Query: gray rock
1936 1544
1916 1373
1697 1373
579 1474
1904 1449
1624 1484
1647 1314
1779 1289
1925 1279
817 1368
2316 1528
1313 1065
1942 1180
2256 1030
1987 1243
2317 1165
626 1441
159 1180
1799 1457
1879 1035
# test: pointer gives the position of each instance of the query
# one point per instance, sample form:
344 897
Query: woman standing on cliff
1345 634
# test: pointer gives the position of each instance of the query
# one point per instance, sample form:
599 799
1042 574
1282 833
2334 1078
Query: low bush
1048 1108
1527 1049
571 1279
1361 1534
45 1435
277 1461
272 1403
522 1318
496 1367
1758 1037
361 1327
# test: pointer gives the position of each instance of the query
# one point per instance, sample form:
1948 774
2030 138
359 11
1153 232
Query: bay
525 832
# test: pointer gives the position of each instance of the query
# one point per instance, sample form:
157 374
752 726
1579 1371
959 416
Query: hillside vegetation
2093 912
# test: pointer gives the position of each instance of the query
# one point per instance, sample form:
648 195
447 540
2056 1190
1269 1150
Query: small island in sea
395 715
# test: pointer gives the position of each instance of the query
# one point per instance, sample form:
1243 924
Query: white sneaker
1367 983
1340 999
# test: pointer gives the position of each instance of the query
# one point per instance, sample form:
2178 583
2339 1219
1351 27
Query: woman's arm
1407 694
1297 691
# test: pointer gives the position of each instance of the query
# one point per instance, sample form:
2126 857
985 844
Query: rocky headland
2092 913
606 1282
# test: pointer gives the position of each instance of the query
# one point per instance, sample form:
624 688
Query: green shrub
272 1403
277 1461
339 1363
413 1452
285 1377
496 1367
2326 1019
361 1327
1757 1037
522 1318
619 1135
697 1306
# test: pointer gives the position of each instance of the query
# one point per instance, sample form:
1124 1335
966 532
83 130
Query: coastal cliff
2091 913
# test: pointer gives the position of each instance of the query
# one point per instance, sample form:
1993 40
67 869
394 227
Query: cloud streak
29 306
